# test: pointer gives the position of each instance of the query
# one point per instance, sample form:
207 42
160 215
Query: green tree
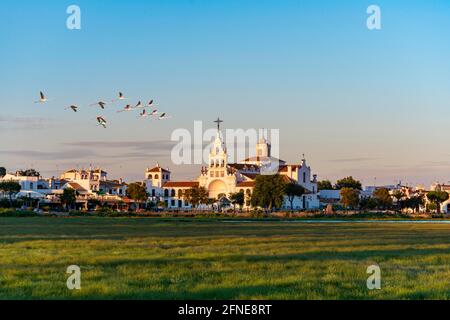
68 198
324 185
437 197
10 188
292 191
137 192
2 171
414 203
383 198
268 192
161 204
28 173
349 197
237 198
196 196
348 182
368 203
398 196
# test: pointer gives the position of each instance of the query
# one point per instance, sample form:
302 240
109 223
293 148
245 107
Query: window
180 193
211 173
31 185
222 174
156 176
153 192
172 203
120 191
172 193
304 177
150 176
166 193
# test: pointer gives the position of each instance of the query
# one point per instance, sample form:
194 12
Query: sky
374 104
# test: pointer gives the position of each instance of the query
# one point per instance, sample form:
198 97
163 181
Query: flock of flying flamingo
154 114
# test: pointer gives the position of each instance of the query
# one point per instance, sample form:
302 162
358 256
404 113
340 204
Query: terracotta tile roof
250 175
245 184
76 186
112 183
180 184
287 179
157 169
284 167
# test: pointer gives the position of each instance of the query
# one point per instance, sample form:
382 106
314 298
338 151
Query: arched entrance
217 187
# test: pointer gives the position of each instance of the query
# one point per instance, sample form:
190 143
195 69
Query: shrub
10 212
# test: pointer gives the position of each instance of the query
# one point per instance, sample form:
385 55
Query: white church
221 178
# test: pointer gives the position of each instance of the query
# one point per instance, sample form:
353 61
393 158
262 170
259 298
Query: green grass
154 258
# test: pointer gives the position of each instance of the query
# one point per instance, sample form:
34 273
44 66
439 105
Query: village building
221 178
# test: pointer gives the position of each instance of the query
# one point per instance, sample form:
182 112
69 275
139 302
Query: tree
398 196
28 173
161 204
2 171
368 203
324 185
293 190
414 203
196 196
437 197
349 197
383 198
348 182
268 192
68 197
137 192
10 188
237 198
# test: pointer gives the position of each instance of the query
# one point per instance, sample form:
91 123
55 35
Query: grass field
151 258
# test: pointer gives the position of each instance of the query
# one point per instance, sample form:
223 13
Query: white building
221 178
31 185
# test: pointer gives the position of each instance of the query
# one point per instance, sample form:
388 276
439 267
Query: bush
10 212
258 213
104 211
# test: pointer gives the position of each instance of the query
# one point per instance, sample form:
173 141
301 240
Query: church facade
221 178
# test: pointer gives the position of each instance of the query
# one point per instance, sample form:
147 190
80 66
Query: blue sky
355 101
